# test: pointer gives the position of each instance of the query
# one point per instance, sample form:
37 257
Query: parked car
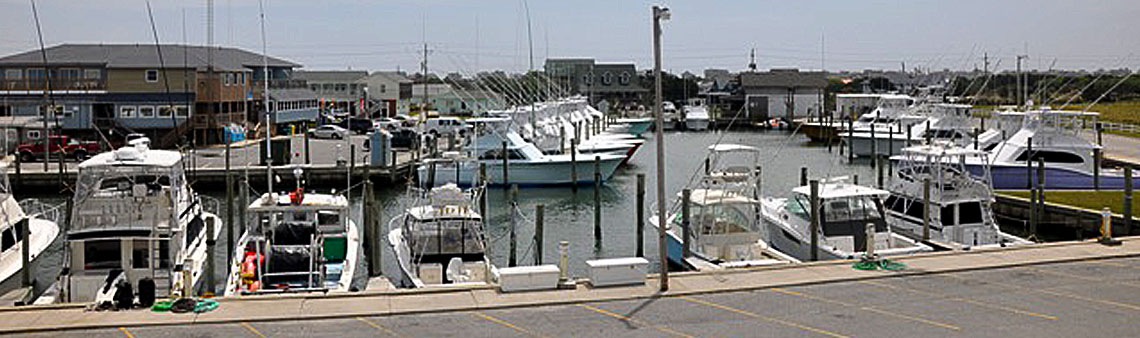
446 125
405 120
386 123
360 126
329 131
402 138
59 145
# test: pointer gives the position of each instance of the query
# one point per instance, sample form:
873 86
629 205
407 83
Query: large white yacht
725 226
42 231
696 115
441 241
135 217
845 211
961 209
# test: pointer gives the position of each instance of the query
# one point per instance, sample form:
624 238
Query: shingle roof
145 56
783 78
339 76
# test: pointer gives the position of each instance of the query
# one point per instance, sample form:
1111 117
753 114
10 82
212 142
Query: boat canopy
840 190
728 147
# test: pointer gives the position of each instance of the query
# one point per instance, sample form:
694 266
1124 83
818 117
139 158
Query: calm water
569 216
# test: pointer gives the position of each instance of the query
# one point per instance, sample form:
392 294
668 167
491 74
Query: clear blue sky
491 34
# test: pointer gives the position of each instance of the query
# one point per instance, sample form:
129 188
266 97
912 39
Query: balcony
57 84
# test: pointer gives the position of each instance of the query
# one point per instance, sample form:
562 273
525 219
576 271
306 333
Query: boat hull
697 124
818 132
1007 177
551 173
865 146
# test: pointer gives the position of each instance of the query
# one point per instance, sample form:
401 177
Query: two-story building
779 93
616 83
390 93
450 100
97 88
340 90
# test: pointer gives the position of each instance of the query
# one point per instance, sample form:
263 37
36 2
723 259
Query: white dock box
618 271
528 278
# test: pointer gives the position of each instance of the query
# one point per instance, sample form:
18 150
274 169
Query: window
182 111
969 213
948 215
607 79
101 254
383 88
624 78
314 87
13 74
70 73
152 75
165 111
228 79
146 111
588 78
127 111
140 257
9 240
340 87
34 134
92 74
1051 156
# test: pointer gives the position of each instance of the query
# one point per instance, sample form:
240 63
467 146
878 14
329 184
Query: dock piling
850 141
1040 207
243 201
574 163
25 252
879 170
513 205
1098 158
1128 200
598 202
803 176
686 236
814 227
506 165
874 145
926 209
229 206
1029 164
640 214
308 153
976 132
483 181
539 215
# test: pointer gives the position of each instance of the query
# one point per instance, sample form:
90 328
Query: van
446 125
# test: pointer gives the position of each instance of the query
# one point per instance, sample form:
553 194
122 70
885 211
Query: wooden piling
25 251
850 141
686 235
1128 200
370 235
926 209
483 181
879 170
1029 164
539 215
574 164
814 227
243 202
598 201
512 260
506 165
640 215
308 152
803 176
874 145
1098 158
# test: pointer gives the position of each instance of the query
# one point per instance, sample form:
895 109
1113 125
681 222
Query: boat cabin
845 211
298 243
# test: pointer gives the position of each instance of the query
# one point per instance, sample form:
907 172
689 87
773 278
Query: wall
134 81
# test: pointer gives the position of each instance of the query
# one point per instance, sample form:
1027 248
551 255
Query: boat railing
36 208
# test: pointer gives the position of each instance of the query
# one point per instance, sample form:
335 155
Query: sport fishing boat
527 165
296 242
725 228
135 222
696 116
631 125
441 241
14 216
961 205
1054 137
845 211
672 119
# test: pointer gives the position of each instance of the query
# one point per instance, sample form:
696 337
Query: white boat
296 242
526 164
696 118
886 136
725 228
441 242
845 211
632 125
135 218
670 116
42 231
961 205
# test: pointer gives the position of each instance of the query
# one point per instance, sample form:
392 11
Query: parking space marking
761 317
504 323
126 332
868 308
635 321
253 330
1094 300
963 300
1085 278
378 327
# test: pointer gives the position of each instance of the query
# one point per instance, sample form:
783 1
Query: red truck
60 145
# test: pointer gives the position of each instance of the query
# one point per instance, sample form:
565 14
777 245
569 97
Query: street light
660 13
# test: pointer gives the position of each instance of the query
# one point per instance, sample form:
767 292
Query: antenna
265 101
47 82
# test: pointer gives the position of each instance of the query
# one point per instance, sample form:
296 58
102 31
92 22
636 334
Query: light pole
660 13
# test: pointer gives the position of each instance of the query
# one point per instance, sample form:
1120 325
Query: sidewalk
392 302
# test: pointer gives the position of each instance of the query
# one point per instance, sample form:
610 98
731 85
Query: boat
961 204
726 230
135 219
696 116
42 230
295 242
1054 137
925 122
527 165
631 125
845 211
441 241
671 119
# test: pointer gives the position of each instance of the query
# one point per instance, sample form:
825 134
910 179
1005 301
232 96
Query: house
390 91
341 90
616 83
449 100
100 88
779 93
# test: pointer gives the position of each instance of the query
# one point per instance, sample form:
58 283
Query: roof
338 76
392 76
720 148
705 197
145 56
292 94
133 156
783 78
310 201
829 190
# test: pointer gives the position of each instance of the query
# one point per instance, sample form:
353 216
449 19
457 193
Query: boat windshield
844 216
715 218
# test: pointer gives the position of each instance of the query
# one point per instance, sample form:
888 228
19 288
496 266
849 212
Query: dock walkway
1056 289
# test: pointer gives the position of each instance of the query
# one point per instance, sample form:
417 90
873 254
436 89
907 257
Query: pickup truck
59 145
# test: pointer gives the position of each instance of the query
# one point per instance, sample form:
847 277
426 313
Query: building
99 88
454 101
340 90
779 93
616 83
390 92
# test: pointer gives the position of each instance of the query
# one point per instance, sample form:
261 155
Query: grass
1094 200
1119 112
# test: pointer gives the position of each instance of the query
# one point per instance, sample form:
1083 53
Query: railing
37 208
56 84
1119 127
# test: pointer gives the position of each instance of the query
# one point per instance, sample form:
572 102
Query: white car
386 123
445 125
328 131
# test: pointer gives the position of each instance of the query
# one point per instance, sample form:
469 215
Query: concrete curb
555 302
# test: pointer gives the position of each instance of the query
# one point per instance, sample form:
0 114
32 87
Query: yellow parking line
378 327
504 323
251 329
1094 300
765 318
1113 264
872 309
963 300
635 321
126 332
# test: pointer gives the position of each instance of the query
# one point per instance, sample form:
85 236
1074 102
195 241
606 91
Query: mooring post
370 241
562 139
855 179
803 176
243 202
574 164
483 180
874 145
563 262
891 141
1128 200
1098 158
513 205
19 177
1029 164
60 164
229 207
539 215
926 209
25 251
759 182
1040 198
506 165
708 166
1099 133
686 246
640 215
983 123
598 201
850 140
976 132
814 227
211 242
308 152
879 170
927 132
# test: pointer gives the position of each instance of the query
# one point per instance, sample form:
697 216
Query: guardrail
37 208
1119 127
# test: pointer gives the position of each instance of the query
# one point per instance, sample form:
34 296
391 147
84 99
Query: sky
471 35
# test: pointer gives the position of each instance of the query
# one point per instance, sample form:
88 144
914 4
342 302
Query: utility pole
660 13
1020 85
